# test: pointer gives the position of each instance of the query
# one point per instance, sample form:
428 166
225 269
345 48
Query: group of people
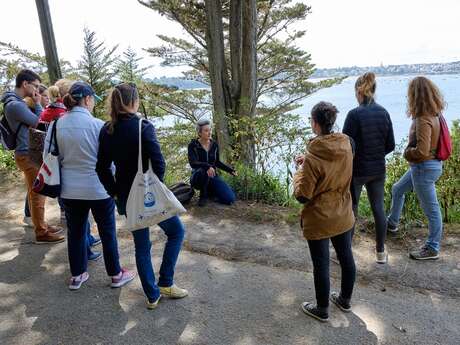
336 166
98 164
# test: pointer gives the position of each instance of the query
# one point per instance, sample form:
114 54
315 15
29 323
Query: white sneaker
381 257
28 221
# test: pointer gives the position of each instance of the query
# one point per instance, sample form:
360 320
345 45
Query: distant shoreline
390 70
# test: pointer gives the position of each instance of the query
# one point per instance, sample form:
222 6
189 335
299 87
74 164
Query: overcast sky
339 32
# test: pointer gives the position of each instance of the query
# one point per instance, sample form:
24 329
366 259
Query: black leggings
319 251
375 187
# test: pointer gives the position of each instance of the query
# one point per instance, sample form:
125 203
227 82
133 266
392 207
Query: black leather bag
182 191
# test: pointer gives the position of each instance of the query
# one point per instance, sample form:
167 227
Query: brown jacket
323 182
423 139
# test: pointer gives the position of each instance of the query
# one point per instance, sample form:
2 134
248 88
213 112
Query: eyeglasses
36 86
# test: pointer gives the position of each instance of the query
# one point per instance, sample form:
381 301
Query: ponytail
69 101
365 88
122 95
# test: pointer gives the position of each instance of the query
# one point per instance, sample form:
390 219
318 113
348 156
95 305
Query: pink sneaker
123 278
75 282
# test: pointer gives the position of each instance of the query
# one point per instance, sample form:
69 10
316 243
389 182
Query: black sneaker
314 312
424 253
392 228
202 201
339 302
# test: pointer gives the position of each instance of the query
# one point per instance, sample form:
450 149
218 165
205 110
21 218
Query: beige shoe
381 257
173 292
153 305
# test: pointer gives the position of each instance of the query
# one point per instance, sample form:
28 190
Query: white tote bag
150 201
48 180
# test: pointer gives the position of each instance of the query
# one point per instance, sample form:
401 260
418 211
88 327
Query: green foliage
97 67
7 160
259 186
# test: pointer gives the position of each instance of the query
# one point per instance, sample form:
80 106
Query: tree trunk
235 38
218 75
247 104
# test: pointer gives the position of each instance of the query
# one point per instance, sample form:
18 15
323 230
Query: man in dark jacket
20 118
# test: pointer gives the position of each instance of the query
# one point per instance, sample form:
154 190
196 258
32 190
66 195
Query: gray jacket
17 112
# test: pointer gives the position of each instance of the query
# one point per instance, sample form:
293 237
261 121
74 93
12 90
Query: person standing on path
77 136
322 184
425 105
119 144
20 118
369 125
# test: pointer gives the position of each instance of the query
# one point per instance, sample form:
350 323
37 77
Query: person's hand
299 160
37 97
211 172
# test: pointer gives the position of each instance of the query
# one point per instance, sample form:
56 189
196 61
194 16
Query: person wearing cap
203 157
77 134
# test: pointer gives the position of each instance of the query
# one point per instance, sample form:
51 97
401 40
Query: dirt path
252 301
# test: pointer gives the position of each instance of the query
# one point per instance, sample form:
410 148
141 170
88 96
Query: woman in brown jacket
425 104
322 183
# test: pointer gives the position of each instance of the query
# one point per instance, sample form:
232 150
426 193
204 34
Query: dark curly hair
324 114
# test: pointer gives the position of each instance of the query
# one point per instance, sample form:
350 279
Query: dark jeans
26 206
212 187
375 187
76 212
319 251
174 230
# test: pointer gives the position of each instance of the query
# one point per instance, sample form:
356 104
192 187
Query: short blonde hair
53 93
64 86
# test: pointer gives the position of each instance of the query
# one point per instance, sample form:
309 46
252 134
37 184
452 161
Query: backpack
7 136
445 142
183 192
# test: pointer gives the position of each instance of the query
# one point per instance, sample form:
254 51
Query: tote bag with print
150 201
48 180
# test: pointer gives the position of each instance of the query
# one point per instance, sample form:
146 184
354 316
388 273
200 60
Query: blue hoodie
17 112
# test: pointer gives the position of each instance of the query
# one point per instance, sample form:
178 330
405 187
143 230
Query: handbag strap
54 138
139 158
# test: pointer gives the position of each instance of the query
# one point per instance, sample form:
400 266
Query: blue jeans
174 230
421 178
76 212
212 186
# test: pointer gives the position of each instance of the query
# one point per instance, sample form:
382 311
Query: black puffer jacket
198 157
370 127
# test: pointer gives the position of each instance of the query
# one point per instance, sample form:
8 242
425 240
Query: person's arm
221 165
194 161
350 127
305 180
422 149
390 140
19 111
151 146
104 164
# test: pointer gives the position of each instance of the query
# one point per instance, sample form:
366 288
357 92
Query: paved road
230 303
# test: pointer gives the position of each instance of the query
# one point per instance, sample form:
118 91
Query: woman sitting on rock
203 157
